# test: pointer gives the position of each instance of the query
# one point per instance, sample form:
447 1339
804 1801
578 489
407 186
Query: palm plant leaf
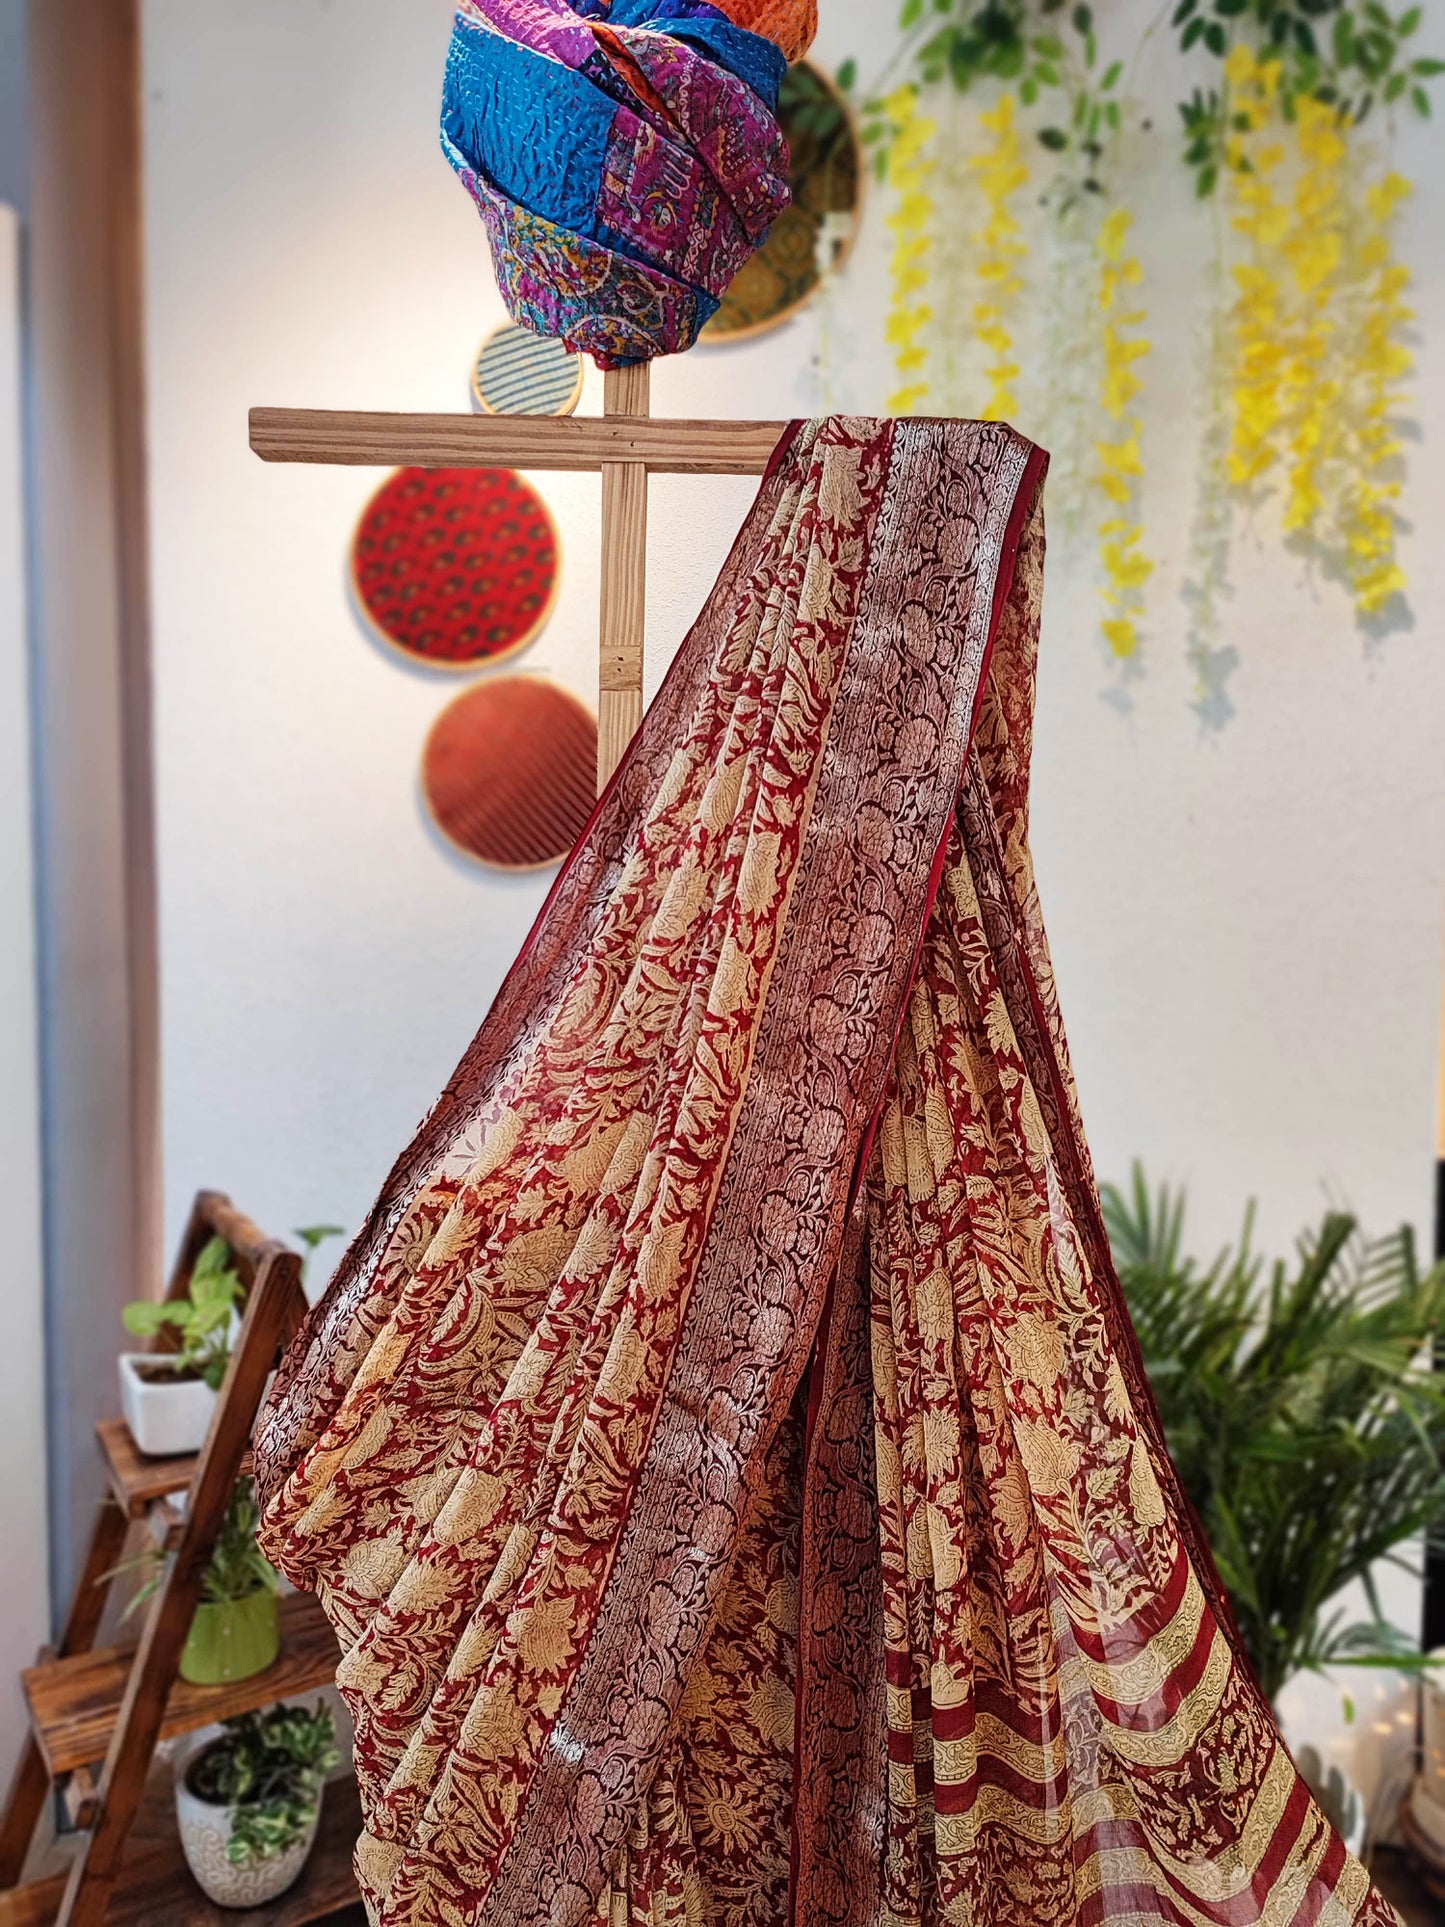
1299 1408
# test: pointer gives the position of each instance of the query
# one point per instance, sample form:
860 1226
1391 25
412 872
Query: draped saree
723 1453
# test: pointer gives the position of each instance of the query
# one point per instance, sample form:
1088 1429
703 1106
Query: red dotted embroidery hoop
455 568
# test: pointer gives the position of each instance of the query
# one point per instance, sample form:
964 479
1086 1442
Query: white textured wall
1247 925
24 1574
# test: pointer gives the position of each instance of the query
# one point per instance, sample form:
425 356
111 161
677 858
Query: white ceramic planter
166 1420
205 1831
1338 1795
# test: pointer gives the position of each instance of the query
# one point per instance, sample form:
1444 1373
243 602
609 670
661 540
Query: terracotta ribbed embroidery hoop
509 772
455 568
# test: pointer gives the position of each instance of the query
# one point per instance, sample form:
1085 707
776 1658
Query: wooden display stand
111 1707
625 446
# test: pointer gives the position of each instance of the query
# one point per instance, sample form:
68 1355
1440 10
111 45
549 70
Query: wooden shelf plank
137 1481
512 441
34 1905
74 1702
155 1888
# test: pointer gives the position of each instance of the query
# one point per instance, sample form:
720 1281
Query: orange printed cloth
792 24
723 1453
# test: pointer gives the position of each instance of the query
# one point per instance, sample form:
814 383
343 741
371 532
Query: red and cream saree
724 1453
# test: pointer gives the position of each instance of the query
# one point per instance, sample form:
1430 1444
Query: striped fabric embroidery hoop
509 771
517 372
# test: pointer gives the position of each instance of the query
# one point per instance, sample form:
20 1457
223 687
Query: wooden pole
626 392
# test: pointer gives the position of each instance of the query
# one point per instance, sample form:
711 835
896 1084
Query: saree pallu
724 1453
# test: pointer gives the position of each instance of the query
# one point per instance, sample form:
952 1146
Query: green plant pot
232 1640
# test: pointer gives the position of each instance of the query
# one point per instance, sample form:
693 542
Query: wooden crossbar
580 443
624 445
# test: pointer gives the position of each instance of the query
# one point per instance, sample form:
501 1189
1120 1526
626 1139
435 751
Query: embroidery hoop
472 665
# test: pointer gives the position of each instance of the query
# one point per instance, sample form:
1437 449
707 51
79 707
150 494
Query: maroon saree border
825 1366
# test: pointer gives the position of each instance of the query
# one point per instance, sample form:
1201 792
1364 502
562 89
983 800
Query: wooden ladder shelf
625 445
98 1714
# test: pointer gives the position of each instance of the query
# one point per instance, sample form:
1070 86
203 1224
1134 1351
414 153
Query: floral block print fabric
723 1453
625 156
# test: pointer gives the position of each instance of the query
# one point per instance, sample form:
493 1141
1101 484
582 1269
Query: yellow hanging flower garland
1366 520
1310 389
911 223
1316 348
995 257
1257 318
1121 470
1001 173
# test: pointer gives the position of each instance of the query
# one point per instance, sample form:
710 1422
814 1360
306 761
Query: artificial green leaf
145 1317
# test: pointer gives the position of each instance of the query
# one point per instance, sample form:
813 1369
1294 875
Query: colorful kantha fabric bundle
625 155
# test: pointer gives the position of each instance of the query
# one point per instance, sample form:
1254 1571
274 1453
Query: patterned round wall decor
826 178
455 567
509 772
519 373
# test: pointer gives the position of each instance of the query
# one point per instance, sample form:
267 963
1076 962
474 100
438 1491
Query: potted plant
235 1630
1299 1415
168 1397
248 1800
1305 1425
